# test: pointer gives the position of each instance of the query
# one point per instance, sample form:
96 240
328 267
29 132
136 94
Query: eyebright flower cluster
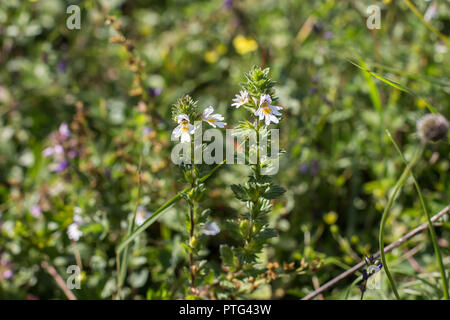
186 114
257 97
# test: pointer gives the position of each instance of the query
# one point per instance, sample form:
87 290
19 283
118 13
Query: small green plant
189 118
251 229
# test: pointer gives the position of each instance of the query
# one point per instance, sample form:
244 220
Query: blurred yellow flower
421 103
244 45
330 218
211 56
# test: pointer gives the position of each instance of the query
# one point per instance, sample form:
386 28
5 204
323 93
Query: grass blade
394 84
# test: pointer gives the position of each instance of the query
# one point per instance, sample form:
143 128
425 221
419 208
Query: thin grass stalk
397 188
430 225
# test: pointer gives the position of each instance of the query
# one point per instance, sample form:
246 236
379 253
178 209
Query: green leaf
373 90
227 255
266 234
274 192
240 192
394 84
186 247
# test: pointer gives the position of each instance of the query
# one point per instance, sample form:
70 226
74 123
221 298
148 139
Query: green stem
430 225
161 209
397 188
257 175
191 235
191 204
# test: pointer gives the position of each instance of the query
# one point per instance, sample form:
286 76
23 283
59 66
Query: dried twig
389 248
59 280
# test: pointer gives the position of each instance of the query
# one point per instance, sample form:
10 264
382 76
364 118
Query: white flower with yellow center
184 129
240 99
216 120
267 111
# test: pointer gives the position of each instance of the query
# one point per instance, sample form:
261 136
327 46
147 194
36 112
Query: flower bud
432 127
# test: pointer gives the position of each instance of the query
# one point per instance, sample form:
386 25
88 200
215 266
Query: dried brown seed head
432 127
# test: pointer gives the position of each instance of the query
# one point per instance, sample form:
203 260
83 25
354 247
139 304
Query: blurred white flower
184 129
73 232
266 111
216 120
240 99
141 216
211 229
432 12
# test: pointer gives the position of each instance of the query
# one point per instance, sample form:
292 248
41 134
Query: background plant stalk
397 188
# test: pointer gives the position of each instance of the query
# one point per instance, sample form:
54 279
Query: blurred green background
115 95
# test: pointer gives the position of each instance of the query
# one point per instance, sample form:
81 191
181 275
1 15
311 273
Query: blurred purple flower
58 149
8 274
64 131
47 152
303 168
147 130
62 66
154 92
328 35
62 166
312 91
228 4
72 154
312 168
36 210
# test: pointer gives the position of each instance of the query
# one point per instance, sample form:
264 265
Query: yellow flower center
184 128
212 120
266 110
184 122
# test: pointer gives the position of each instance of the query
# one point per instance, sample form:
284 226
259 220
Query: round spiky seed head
432 127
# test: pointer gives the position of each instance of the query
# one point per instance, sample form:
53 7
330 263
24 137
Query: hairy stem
191 236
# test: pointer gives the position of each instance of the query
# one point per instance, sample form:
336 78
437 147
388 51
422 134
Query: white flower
211 229
216 120
240 99
141 216
266 111
184 129
73 232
